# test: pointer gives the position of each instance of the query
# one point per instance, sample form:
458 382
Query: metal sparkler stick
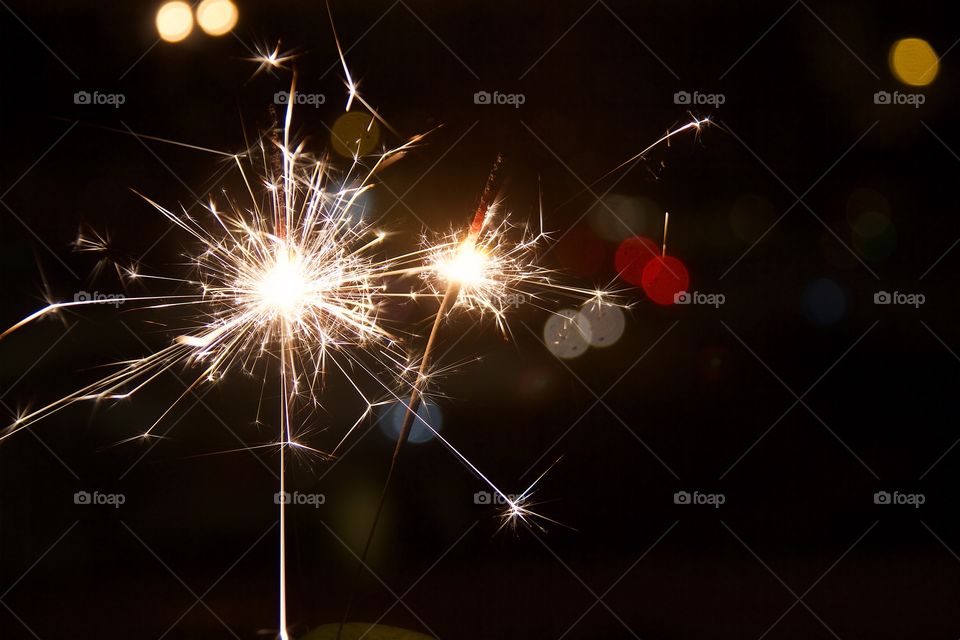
416 394
449 298
666 221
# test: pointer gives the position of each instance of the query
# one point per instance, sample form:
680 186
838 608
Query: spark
296 279
696 125
271 59
492 268
352 86
287 281
291 282
519 509
496 268
92 241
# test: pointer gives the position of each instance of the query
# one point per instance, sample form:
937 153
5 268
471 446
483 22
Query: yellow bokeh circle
174 21
355 134
217 17
914 62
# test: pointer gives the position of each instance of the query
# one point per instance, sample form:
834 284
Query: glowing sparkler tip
283 287
466 265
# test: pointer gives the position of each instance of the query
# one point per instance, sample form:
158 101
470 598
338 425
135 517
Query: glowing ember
467 266
285 288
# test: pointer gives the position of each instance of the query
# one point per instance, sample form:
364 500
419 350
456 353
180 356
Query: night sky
800 403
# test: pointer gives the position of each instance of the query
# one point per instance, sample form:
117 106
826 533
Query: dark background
799 519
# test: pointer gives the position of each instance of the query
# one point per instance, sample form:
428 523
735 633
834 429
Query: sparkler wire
299 285
416 394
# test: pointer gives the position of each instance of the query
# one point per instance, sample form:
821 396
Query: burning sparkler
486 270
482 269
289 285
288 280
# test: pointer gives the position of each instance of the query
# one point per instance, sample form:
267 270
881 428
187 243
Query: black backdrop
799 549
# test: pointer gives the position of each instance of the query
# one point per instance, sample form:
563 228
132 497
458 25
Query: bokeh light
632 257
824 302
217 17
567 334
665 277
870 224
874 234
618 216
534 382
606 322
713 363
174 21
393 416
354 134
914 62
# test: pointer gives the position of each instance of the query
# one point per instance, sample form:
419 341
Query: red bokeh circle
663 278
632 256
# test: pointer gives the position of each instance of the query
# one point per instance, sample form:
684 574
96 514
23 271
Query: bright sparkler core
467 266
285 288
494 268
